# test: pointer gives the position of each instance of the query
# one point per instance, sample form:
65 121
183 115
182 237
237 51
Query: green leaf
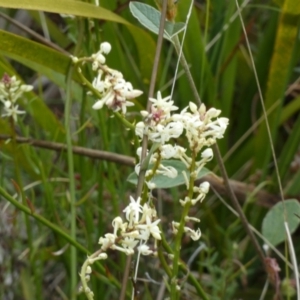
18 48
27 285
164 182
150 18
279 73
71 7
273 223
290 109
144 42
290 148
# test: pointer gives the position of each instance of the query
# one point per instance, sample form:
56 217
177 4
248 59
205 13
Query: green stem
73 254
163 262
192 280
177 247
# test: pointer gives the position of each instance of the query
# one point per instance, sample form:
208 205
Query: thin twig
97 154
240 189
236 204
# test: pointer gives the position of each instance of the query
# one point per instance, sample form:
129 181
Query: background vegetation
36 258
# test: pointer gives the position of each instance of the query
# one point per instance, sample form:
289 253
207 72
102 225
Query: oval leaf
273 223
164 182
150 18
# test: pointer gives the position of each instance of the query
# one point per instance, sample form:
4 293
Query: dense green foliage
36 261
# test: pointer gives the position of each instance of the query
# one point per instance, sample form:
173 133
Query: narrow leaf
279 73
71 7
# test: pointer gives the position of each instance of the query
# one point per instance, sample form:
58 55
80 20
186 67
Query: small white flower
144 249
148 212
129 243
149 228
26 88
167 151
208 153
185 201
187 219
212 113
133 211
151 185
193 107
127 251
204 186
117 223
164 104
13 111
99 58
105 47
175 226
107 240
74 59
140 129
144 113
102 256
195 235
168 171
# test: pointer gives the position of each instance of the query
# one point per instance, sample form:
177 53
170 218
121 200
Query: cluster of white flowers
115 91
201 127
159 125
141 224
11 90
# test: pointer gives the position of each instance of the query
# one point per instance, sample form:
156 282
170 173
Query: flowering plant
162 126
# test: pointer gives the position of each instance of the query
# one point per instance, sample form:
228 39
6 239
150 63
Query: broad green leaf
164 182
273 223
149 17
